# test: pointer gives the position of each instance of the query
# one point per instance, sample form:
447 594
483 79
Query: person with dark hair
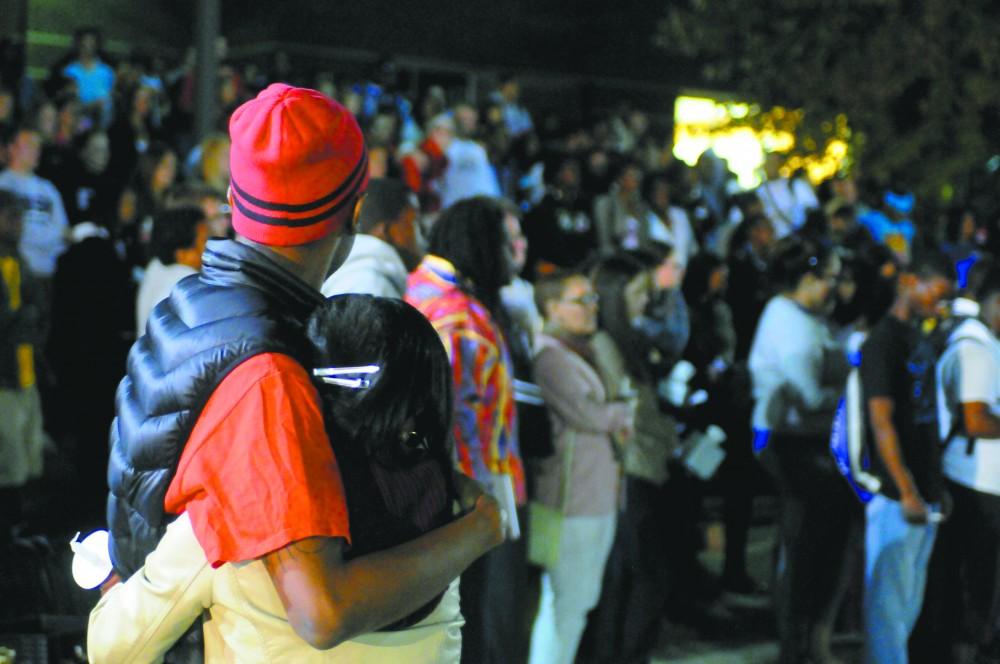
457 287
750 285
387 403
580 482
623 220
960 602
891 224
560 229
903 428
423 167
469 172
45 223
656 191
963 240
388 246
665 323
176 244
786 199
218 418
143 198
21 436
94 79
625 624
88 191
798 373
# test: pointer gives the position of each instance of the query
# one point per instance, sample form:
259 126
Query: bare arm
880 410
979 420
330 600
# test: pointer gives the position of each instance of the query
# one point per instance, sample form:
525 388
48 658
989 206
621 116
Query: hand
915 510
469 491
492 518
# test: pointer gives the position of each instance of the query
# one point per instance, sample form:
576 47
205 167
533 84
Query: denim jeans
896 558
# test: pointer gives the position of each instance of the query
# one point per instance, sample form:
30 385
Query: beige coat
139 620
583 421
655 439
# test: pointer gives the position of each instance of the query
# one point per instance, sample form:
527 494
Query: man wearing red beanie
217 416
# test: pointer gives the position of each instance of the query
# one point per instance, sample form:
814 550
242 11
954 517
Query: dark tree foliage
918 79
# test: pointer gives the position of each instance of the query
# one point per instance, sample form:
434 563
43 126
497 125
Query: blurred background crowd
652 273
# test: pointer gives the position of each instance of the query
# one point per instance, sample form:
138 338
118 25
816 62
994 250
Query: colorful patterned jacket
485 416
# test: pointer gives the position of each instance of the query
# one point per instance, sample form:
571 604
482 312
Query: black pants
962 602
819 519
493 600
624 626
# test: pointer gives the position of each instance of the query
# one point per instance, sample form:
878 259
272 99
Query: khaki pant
21 437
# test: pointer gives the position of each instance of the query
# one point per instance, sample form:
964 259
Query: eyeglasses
583 300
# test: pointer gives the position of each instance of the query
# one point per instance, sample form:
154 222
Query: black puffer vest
240 305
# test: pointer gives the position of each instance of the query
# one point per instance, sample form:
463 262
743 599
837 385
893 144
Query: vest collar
229 263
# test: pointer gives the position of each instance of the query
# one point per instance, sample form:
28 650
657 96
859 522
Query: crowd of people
609 315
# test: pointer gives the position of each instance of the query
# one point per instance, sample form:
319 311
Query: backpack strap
957 419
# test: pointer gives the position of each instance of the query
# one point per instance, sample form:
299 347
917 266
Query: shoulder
277 370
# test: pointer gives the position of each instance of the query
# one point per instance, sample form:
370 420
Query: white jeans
896 558
571 588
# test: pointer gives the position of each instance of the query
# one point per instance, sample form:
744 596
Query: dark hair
189 194
414 380
471 236
149 160
385 200
978 273
698 276
652 253
989 283
955 215
794 258
610 277
173 229
11 132
930 263
741 234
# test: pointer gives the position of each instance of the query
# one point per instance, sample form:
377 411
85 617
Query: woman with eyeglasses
798 373
576 488
385 383
625 625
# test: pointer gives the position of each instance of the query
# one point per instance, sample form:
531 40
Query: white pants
571 588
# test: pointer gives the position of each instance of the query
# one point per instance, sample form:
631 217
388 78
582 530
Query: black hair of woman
470 235
412 391
611 276
698 276
794 258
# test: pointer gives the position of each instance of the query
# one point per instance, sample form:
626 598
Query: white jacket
139 620
373 267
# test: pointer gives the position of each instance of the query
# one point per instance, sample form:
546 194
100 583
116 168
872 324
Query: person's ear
358 204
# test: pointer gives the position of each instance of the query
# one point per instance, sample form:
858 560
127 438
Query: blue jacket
240 304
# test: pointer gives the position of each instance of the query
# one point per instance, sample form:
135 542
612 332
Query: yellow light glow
702 123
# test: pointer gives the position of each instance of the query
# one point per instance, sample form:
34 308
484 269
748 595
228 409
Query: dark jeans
494 603
624 626
819 515
962 601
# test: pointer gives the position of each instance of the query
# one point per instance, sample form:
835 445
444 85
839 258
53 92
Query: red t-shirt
258 471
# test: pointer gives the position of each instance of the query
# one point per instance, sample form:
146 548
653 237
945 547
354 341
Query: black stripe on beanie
304 207
292 223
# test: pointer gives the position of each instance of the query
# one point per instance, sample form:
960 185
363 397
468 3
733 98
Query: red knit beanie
297 160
